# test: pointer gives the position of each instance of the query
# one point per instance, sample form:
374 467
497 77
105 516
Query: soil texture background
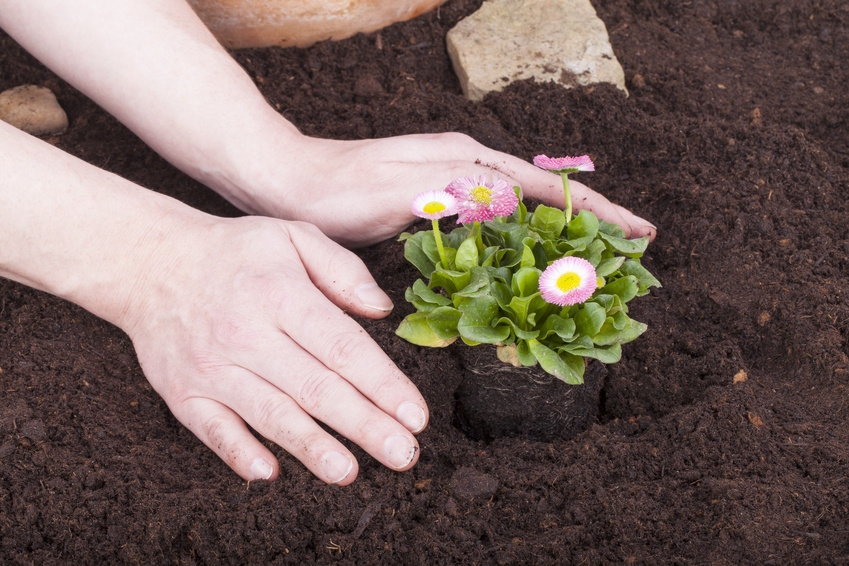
722 436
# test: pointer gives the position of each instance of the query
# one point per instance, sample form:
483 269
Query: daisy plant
545 287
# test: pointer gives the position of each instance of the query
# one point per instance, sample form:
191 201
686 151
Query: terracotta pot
496 399
262 23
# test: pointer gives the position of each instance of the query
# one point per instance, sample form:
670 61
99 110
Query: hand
244 322
359 192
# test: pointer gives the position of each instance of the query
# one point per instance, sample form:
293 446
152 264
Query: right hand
242 322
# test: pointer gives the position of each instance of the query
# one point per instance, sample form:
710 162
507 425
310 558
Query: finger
225 433
275 416
338 273
319 327
320 393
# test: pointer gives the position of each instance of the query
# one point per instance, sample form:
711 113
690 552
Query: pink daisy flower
479 200
568 281
434 205
564 164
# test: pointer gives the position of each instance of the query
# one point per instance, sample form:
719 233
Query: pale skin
215 307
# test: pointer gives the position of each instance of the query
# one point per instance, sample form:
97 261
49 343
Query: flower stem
478 237
567 193
438 237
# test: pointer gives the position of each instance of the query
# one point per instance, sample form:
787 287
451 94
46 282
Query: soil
495 399
722 435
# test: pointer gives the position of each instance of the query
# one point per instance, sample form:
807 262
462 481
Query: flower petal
568 281
434 205
479 200
564 164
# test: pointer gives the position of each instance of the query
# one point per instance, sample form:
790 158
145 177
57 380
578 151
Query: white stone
33 109
548 40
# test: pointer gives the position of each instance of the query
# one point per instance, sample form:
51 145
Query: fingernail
336 466
261 470
373 297
399 451
411 416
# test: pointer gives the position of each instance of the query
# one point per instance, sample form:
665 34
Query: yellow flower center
482 195
434 207
568 281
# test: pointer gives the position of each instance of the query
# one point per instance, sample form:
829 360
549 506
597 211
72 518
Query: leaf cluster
489 293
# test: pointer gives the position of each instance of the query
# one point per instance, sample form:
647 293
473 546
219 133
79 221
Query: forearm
155 67
75 231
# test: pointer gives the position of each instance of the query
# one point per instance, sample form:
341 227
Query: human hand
243 323
359 192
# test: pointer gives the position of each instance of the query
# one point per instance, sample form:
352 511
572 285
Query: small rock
470 484
563 41
33 109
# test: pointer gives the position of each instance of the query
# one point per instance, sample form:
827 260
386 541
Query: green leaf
429 247
528 259
644 277
525 282
608 355
416 301
415 254
584 225
467 256
443 321
414 328
502 294
425 293
548 221
451 281
521 306
476 321
592 253
564 328
568 367
523 352
631 248
516 331
611 229
625 287
479 284
609 335
490 256
590 318
608 266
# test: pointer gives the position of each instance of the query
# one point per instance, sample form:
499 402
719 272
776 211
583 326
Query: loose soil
722 436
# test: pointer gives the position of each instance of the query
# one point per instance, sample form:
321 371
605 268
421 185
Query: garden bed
722 436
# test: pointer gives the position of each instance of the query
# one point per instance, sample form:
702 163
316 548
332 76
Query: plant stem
438 237
567 193
479 237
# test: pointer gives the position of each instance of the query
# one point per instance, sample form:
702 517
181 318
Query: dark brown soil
723 435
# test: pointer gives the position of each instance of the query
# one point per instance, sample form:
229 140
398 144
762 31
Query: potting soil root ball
496 399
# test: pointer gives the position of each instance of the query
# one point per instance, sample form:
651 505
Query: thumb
338 273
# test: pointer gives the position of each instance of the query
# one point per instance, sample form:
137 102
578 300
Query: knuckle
235 334
341 351
214 429
314 389
456 138
271 412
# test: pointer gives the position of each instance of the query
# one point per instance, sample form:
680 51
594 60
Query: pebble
563 41
33 109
